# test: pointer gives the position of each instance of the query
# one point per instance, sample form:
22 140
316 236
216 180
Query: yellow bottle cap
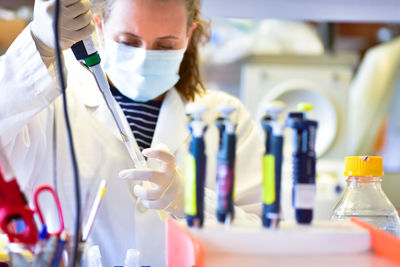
367 166
304 107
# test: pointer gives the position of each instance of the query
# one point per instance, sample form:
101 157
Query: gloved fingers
161 153
75 10
157 177
67 3
79 22
81 34
148 194
155 204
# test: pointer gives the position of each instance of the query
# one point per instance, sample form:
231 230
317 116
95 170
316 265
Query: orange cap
364 166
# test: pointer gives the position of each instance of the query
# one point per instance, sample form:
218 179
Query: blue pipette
304 164
226 165
195 167
272 164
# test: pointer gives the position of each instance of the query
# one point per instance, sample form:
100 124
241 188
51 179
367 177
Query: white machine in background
321 80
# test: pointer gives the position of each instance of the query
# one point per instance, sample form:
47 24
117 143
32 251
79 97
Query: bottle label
304 196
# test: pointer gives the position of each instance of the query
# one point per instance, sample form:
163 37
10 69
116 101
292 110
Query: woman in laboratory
163 36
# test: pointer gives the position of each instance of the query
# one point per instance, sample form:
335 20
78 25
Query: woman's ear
191 30
98 21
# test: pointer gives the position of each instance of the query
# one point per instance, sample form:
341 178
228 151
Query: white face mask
141 74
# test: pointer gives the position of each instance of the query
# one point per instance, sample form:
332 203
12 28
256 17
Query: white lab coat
32 132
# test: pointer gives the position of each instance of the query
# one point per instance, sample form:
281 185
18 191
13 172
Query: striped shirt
142 117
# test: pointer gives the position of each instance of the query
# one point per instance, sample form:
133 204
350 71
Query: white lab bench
320 244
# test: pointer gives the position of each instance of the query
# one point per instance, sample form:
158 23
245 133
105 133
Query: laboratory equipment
16 218
364 197
94 257
321 80
195 167
225 180
17 221
272 164
50 252
132 258
304 163
38 192
95 208
86 53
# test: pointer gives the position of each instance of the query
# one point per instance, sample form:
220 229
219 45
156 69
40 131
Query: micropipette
86 53
195 168
272 164
304 163
225 165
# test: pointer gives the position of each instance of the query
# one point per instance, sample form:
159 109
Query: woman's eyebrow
168 37
131 35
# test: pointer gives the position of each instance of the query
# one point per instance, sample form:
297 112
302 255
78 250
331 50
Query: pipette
195 168
86 53
225 165
94 210
272 164
304 163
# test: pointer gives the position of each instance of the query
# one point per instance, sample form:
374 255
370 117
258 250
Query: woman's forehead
132 6
145 15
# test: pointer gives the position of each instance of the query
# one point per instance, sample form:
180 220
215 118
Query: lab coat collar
171 128
172 121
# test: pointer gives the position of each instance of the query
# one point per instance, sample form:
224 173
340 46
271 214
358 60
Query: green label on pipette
190 186
92 60
269 179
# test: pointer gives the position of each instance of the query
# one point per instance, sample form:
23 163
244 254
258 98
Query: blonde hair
190 83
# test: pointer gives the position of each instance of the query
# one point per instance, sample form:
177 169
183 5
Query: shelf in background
306 10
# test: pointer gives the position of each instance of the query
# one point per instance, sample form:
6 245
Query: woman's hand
168 194
75 24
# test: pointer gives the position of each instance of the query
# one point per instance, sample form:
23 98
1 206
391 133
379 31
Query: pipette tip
228 221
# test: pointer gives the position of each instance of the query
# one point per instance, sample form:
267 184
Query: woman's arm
27 86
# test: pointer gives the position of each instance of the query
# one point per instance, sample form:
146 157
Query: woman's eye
165 46
129 41
134 44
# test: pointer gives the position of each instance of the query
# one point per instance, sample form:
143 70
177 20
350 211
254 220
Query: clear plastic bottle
364 197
